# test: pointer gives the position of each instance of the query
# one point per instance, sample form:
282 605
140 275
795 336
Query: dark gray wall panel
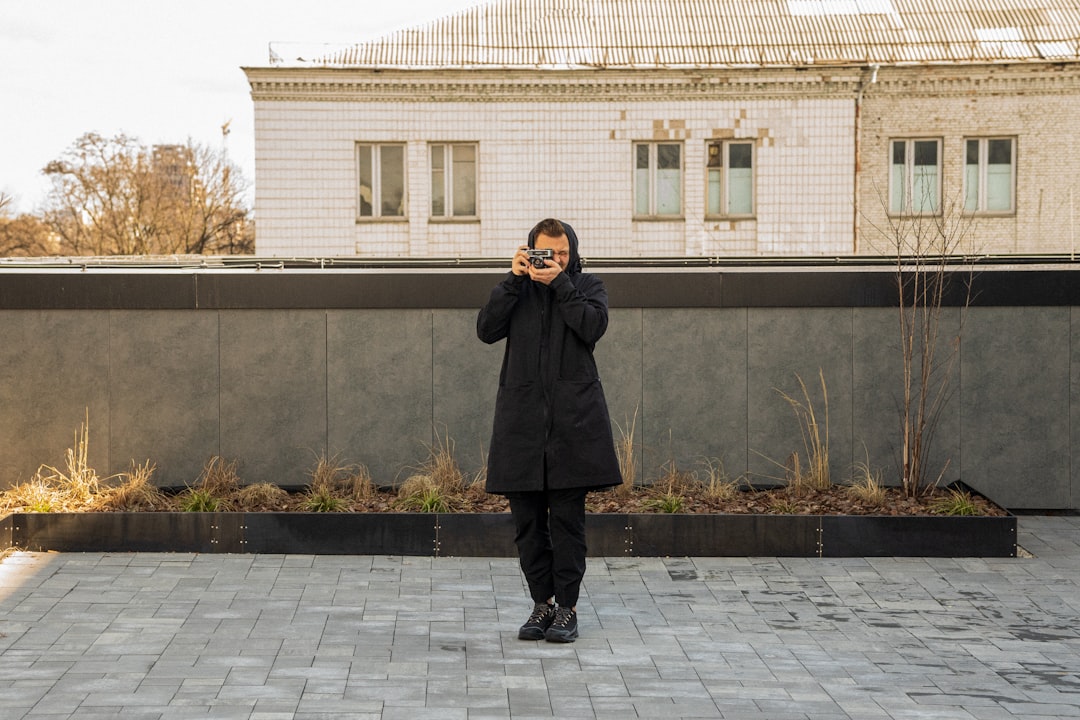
379 389
1072 488
273 393
163 377
618 360
1016 430
54 371
877 371
783 343
466 380
694 395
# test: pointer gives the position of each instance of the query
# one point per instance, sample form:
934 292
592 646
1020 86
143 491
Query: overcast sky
162 71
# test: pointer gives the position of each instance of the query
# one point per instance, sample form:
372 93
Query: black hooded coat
550 411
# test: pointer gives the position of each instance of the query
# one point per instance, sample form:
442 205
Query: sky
162 71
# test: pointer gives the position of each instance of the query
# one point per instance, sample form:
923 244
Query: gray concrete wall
273 388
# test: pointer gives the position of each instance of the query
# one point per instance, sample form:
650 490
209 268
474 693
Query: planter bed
491 534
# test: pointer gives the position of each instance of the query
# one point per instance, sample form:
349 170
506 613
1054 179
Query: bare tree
932 250
22 235
113 196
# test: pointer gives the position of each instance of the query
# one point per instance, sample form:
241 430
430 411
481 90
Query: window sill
379 220
991 214
730 218
659 218
913 216
471 220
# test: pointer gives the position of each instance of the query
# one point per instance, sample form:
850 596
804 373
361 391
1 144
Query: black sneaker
542 616
564 627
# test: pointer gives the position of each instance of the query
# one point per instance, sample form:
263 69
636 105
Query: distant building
677 128
175 167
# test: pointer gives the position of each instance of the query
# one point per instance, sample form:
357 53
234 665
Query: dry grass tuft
51 489
624 449
214 491
442 467
357 483
867 487
261 497
438 484
134 493
218 478
350 483
675 481
815 436
422 494
35 495
717 484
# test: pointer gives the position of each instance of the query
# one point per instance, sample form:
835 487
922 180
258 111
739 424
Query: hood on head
574 266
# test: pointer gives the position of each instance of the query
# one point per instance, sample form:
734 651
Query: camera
537 257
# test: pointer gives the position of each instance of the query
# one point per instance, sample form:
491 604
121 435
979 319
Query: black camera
537 257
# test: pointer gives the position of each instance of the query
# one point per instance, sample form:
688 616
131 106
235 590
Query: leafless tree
933 251
22 235
113 196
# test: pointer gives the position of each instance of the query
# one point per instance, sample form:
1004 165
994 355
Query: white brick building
677 128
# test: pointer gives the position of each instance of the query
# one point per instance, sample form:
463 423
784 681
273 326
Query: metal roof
727 33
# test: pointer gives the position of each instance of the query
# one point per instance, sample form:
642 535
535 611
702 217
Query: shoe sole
530 634
568 638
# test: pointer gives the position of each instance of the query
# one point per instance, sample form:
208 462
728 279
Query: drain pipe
873 68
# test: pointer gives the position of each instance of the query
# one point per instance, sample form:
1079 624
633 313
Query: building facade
698 128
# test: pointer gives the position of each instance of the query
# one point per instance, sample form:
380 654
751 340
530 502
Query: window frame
983 167
653 169
725 174
909 177
448 181
376 164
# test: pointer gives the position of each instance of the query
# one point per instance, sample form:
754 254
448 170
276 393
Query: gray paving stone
155 635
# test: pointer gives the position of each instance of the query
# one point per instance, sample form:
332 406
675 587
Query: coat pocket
582 452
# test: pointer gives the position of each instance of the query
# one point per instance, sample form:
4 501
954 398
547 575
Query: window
729 169
657 179
915 177
453 181
380 171
989 175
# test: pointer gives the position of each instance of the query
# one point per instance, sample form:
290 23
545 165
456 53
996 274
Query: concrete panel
54 371
163 372
273 393
1015 368
694 397
877 382
379 389
466 380
783 343
618 360
1073 500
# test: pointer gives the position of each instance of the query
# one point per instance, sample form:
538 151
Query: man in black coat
552 442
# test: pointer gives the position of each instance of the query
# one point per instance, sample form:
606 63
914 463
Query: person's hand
545 274
520 264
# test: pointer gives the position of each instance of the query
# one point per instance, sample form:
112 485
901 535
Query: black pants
550 538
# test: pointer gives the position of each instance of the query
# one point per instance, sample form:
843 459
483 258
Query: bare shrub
932 251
